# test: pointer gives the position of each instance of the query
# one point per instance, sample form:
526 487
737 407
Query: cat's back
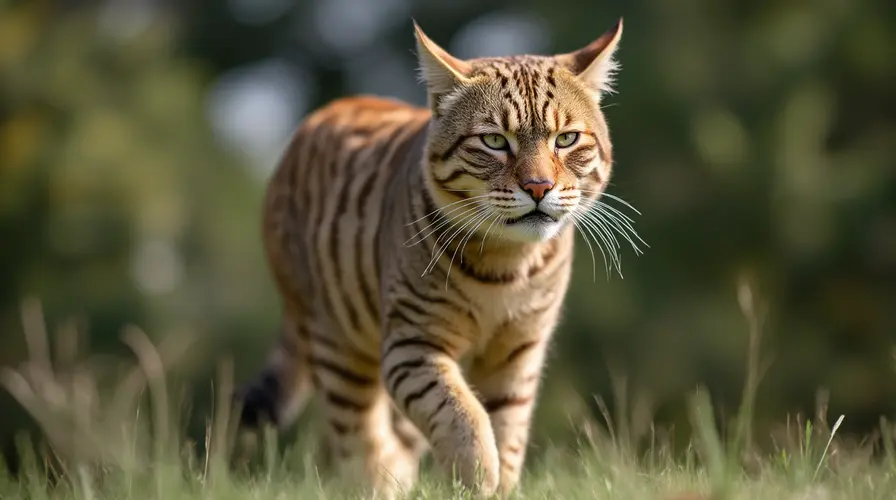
346 138
326 197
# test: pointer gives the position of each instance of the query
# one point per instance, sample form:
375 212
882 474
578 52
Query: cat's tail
281 391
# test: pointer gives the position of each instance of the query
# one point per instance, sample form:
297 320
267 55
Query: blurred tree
117 205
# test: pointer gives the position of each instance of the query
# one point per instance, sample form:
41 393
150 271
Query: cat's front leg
421 373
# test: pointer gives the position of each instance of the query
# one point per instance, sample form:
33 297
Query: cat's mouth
535 216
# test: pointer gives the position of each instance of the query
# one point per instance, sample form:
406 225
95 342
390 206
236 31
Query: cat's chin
530 231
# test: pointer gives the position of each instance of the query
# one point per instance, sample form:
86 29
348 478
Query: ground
594 471
116 434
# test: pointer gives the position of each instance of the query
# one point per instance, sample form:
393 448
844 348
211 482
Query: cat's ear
595 63
441 71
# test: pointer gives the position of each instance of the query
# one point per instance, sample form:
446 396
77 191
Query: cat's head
522 139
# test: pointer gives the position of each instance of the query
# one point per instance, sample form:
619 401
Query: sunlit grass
114 433
586 473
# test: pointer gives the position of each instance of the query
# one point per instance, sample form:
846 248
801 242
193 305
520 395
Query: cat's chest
496 307
492 306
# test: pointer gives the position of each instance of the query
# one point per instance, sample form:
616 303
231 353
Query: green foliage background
754 137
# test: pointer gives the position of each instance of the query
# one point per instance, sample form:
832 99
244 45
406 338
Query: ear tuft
595 64
441 71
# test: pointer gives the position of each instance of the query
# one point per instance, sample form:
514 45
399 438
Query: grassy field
593 472
113 432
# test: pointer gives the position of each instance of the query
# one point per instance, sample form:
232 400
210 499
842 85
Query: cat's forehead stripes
528 87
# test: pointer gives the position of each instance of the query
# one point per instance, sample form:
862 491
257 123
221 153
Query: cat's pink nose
537 188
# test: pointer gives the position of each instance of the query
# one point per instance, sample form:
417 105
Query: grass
113 433
592 472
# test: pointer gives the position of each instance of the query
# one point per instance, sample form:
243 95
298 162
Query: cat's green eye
495 141
567 139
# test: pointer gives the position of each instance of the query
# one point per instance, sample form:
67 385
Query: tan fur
389 230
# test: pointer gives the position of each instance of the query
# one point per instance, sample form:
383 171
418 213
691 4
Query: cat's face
519 145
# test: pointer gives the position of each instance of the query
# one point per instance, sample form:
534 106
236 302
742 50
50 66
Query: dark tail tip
260 401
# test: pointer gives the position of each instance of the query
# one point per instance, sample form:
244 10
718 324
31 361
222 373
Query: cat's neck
493 258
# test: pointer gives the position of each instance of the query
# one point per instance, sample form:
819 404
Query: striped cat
406 241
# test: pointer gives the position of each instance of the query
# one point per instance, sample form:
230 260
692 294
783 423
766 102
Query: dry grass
126 442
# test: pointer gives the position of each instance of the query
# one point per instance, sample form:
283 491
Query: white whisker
624 227
600 221
597 234
610 242
615 210
612 197
471 199
441 220
438 252
614 213
620 228
599 203
463 244
590 248
435 227
497 218
438 255
468 215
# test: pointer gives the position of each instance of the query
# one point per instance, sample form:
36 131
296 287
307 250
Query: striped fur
404 245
